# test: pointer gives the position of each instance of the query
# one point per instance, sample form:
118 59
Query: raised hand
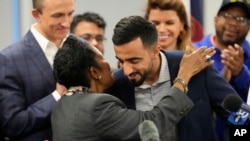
193 63
233 58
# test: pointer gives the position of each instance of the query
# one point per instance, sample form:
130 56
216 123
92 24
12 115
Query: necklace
77 89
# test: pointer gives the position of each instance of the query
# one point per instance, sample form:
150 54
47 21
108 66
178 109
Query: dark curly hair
72 62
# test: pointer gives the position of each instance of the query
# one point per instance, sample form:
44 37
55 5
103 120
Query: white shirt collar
42 41
164 72
49 48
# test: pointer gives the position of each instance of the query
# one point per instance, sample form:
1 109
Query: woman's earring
99 77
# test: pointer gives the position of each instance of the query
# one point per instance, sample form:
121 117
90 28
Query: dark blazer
206 89
86 116
26 84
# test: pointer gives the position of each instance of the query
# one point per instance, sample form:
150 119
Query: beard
143 77
227 41
139 82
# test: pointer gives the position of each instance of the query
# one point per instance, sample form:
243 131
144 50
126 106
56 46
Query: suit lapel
173 58
36 55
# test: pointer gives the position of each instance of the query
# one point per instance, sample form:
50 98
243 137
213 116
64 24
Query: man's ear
93 73
36 14
215 19
157 50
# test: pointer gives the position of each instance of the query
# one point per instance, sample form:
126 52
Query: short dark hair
129 28
38 4
88 17
72 62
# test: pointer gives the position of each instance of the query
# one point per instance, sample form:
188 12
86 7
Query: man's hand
61 89
233 59
227 74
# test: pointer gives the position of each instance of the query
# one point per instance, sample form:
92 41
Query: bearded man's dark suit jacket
206 89
26 84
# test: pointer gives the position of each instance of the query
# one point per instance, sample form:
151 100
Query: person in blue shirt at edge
147 73
232 58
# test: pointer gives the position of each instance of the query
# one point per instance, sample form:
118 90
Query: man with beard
147 73
232 58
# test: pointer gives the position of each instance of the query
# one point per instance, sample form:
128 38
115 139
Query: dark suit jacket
206 89
26 84
100 117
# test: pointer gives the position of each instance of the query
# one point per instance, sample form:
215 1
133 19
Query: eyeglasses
240 20
89 38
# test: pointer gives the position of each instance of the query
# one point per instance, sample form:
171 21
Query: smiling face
54 19
168 26
137 62
228 30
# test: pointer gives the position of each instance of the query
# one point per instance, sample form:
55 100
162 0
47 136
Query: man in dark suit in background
28 90
148 73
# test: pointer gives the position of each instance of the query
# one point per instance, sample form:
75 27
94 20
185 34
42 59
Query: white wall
6 23
187 3
210 11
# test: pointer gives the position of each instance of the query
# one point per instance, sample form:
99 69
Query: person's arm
18 118
113 121
59 91
242 81
233 58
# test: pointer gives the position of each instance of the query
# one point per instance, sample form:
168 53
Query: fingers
188 50
196 61
227 74
233 58
201 50
61 89
210 51
208 58
205 53
235 51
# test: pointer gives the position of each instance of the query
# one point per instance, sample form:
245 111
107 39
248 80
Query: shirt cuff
56 95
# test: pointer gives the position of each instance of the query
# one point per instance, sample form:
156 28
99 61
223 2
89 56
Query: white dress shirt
49 48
